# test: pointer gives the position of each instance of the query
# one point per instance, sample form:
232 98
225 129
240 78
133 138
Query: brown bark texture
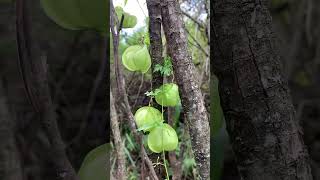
119 149
185 74
154 10
254 93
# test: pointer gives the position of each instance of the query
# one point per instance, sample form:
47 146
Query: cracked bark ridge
154 10
184 69
255 95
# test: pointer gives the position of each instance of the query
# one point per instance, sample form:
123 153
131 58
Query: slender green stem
165 164
163 154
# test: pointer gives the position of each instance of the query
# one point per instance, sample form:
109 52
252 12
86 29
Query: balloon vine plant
83 14
161 136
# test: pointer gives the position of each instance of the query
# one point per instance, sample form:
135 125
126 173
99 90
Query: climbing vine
161 136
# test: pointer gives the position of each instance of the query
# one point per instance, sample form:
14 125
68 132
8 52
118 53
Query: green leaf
157 67
166 68
125 2
94 166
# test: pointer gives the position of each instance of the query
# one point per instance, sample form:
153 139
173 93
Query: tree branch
200 24
185 74
119 149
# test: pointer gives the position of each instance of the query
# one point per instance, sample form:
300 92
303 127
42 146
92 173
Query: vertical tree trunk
255 95
154 10
184 71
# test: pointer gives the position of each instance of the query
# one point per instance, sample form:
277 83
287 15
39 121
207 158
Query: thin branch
119 148
200 24
185 74
198 44
141 8
139 90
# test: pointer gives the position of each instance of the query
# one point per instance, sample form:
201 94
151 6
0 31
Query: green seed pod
65 13
95 13
162 138
137 58
168 95
147 117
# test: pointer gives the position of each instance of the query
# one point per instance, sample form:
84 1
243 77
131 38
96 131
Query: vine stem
163 154
164 162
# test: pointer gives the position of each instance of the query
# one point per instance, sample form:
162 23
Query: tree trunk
184 71
154 10
254 94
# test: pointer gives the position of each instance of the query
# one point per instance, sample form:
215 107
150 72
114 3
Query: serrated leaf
157 67
94 166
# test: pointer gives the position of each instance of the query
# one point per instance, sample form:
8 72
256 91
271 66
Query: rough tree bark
154 10
184 71
119 149
254 93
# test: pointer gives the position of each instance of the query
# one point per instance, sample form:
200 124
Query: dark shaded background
297 26
74 59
